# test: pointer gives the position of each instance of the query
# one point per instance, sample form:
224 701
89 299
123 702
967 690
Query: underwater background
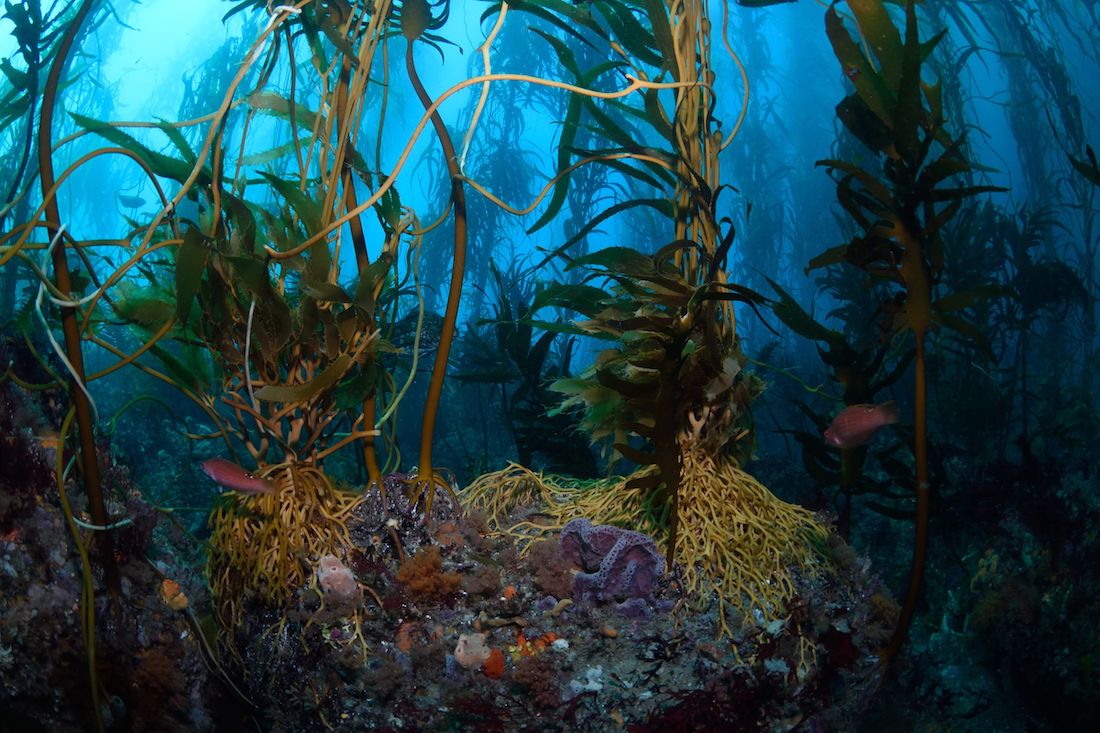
643 365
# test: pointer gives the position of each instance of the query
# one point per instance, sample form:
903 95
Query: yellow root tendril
736 539
263 547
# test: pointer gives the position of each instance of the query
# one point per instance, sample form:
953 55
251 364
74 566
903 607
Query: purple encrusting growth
616 563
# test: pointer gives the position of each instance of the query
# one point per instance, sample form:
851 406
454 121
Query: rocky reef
461 630
148 633
424 624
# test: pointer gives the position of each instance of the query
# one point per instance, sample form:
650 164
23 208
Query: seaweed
517 362
901 209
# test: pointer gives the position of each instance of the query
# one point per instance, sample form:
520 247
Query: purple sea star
616 563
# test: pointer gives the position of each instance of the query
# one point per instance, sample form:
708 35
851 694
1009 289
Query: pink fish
857 424
232 476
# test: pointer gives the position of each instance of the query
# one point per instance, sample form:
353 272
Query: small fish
232 476
857 424
131 202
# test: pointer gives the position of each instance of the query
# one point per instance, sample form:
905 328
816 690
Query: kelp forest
610 365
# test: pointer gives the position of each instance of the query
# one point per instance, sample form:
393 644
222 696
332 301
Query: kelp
522 366
1087 166
669 365
36 32
416 18
669 393
901 209
235 306
234 290
862 371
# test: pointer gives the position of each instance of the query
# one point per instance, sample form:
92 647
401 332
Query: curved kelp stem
427 479
88 461
87 599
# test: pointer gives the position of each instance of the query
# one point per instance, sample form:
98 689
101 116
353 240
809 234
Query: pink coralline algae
616 563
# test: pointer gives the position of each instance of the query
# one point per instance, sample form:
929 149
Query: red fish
232 476
857 424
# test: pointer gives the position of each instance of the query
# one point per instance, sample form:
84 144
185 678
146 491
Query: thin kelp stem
370 451
920 541
915 276
484 49
362 262
87 599
88 460
425 474
744 79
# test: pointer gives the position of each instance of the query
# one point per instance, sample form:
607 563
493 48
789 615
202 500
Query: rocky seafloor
610 653
446 628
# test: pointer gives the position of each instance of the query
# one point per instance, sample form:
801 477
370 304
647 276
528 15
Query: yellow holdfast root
737 538
263 546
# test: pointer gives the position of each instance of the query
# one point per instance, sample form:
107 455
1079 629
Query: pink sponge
337 581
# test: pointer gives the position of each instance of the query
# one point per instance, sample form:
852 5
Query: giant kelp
250 317
669 394
235 294
902 209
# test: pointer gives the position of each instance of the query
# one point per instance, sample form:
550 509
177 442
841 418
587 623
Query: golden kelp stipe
263 547
737 539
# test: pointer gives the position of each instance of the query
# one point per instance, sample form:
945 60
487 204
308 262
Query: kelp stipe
670 393
270 345
416 19
74 355
901 210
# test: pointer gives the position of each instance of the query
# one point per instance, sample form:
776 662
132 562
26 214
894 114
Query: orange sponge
494 665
